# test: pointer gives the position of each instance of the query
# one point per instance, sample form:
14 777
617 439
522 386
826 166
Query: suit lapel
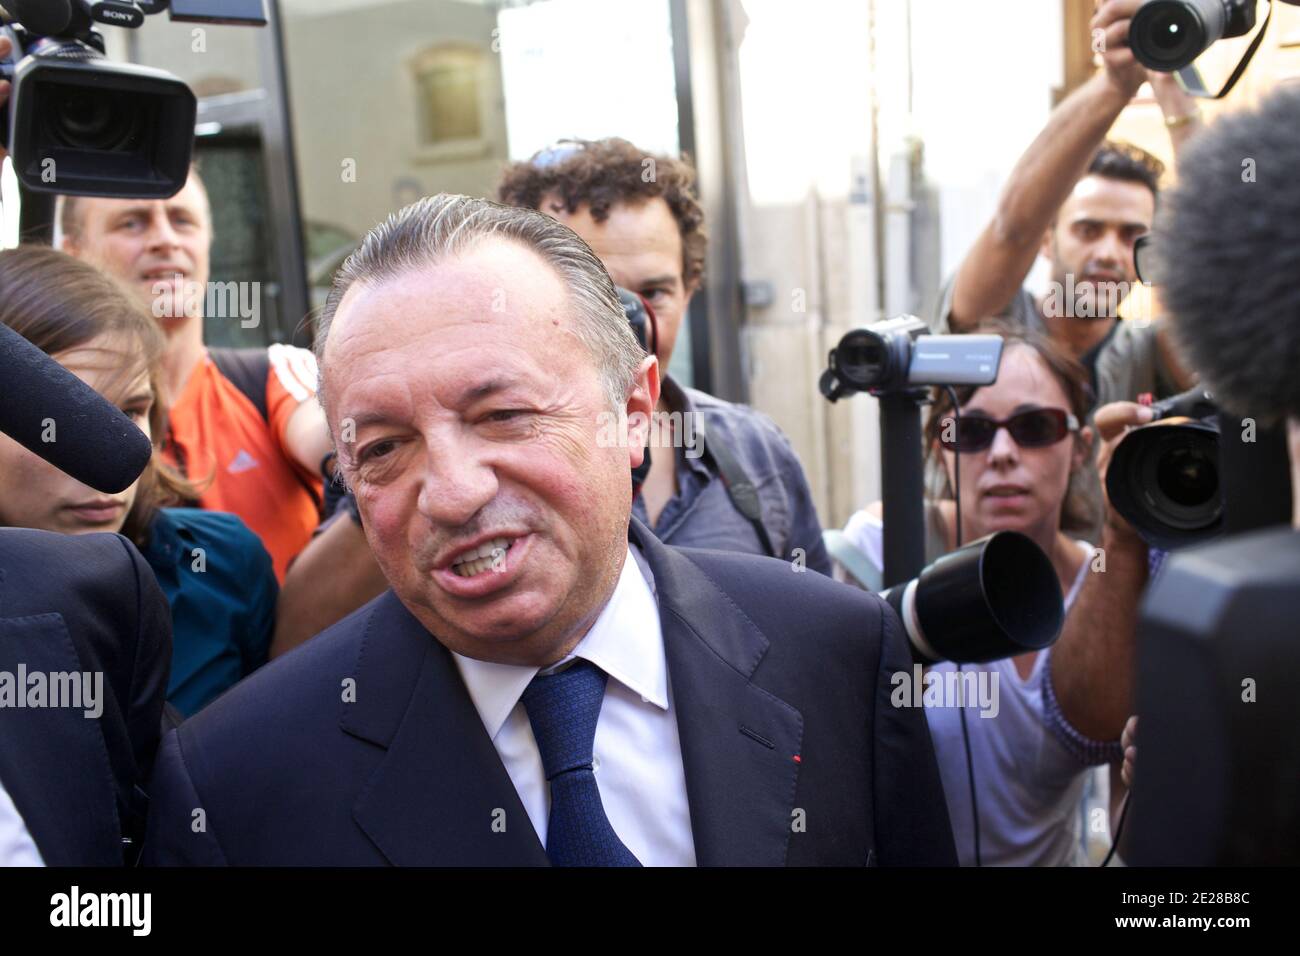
44 750
739 743
440 796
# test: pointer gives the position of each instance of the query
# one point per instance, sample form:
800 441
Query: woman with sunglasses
1025 457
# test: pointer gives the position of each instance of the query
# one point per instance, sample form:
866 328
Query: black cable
1119 829
965 733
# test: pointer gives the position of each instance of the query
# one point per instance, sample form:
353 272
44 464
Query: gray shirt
1124 365
701 512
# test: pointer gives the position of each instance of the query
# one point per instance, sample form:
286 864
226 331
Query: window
448 82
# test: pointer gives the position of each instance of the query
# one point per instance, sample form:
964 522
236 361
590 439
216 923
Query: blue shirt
222 590
701 514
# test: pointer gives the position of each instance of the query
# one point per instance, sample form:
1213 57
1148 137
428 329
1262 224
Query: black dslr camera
79 124
1165 476
1167 35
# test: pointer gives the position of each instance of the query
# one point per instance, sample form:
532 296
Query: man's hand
1182 115
1113 422
1113 18
5 49
994 269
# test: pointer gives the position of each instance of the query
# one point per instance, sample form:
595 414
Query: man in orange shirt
247 420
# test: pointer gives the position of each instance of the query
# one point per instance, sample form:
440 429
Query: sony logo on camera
117 12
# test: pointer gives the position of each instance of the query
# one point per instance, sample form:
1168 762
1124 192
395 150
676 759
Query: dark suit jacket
82 603
780 682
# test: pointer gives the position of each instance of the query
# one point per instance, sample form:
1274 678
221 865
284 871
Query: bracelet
1174 122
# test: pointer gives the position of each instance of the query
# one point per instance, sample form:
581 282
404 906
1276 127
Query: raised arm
996 266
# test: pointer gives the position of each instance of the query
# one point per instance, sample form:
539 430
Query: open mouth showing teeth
487 556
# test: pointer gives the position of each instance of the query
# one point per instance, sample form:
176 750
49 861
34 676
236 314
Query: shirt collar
625 642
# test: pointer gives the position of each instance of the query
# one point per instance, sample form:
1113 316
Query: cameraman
1081 203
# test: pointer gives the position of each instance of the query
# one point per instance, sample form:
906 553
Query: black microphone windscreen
58 417
44 17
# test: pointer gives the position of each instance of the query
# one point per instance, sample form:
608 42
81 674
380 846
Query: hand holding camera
1113 422
1113 18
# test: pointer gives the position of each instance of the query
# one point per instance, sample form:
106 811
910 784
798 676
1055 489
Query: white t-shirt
1027 785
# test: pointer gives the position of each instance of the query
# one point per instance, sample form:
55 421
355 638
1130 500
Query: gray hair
446 225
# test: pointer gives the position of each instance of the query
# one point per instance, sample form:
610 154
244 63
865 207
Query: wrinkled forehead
496 305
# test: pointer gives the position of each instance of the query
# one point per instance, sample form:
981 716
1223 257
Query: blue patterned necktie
563 708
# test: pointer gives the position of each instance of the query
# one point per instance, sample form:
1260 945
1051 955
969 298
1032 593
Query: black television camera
79 124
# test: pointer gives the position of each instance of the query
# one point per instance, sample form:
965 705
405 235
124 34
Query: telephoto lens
1167 35
1164 477
994 598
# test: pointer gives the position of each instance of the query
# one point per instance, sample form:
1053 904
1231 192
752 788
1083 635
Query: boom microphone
58 417
47 18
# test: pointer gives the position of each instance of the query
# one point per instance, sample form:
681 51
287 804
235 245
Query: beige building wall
356 109
975 94
979 90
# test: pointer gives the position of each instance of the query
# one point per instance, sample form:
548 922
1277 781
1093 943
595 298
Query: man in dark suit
545 682
86 606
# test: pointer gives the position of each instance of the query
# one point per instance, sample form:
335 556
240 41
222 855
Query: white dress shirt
637 754
17 848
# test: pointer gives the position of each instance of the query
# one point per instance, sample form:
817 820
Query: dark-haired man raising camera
1081 203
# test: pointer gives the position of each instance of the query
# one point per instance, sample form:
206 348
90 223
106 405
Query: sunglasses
1036 428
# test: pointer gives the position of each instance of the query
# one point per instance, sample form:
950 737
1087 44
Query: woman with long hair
214 571
1014 771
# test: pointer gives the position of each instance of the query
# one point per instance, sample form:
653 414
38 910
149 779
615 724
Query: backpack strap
743 494
247 370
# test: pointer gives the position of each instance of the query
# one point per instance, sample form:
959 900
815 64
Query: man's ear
640 407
